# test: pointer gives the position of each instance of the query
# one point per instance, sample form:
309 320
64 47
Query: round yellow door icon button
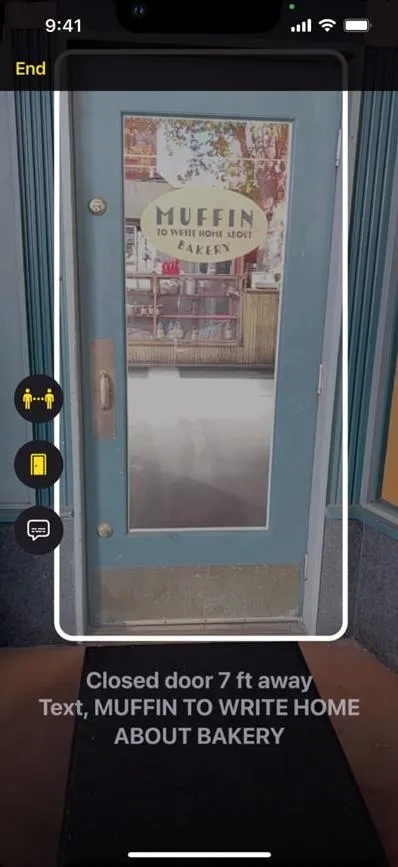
38 464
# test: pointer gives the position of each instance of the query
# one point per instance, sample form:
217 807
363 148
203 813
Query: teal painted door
202 324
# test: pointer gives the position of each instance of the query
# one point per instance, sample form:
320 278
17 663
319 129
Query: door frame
66 206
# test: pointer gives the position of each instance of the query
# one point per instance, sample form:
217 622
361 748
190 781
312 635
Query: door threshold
245 627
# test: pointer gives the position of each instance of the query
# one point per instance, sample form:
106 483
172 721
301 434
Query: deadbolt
104 530
97 206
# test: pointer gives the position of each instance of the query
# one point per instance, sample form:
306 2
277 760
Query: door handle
105 391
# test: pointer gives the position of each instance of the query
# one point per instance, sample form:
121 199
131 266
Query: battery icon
356 25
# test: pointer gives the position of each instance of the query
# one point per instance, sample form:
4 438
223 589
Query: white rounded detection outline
199 854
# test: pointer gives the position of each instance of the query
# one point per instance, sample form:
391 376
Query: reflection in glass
202 333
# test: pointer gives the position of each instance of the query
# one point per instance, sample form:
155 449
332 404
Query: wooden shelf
197 295
228 288
147 275
186 344
178 316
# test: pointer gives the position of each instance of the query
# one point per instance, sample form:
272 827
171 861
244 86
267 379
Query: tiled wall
373 588
376 609
330 595
27 592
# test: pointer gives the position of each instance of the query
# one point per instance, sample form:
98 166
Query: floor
34 750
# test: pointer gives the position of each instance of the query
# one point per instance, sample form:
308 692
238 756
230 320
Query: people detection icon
38 398
48 399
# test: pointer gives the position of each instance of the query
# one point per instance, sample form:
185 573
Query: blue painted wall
371 203
26 582
14 362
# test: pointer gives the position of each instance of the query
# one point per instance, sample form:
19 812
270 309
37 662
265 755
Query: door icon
38 464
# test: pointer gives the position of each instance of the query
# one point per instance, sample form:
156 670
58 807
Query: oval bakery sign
210 225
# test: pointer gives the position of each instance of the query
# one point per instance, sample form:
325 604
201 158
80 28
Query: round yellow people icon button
38 398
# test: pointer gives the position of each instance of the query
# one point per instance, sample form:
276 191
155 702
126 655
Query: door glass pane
205 210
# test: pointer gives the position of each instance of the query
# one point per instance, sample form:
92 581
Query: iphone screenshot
199 435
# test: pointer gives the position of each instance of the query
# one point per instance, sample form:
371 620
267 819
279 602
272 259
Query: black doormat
221 775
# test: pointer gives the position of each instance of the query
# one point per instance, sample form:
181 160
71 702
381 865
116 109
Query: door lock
97 206
104 530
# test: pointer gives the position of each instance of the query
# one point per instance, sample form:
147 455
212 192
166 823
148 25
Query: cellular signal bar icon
302 27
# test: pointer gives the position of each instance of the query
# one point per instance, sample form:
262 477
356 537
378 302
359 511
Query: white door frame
330 355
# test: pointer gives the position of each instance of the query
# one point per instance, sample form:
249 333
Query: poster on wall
205 209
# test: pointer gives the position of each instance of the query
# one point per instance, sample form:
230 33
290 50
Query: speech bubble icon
38 528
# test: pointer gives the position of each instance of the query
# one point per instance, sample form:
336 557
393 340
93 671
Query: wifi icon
327 24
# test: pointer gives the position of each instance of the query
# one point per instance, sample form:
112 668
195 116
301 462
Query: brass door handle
105 391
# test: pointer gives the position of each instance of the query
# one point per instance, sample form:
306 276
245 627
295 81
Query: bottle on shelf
171 331
190 286
159 331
